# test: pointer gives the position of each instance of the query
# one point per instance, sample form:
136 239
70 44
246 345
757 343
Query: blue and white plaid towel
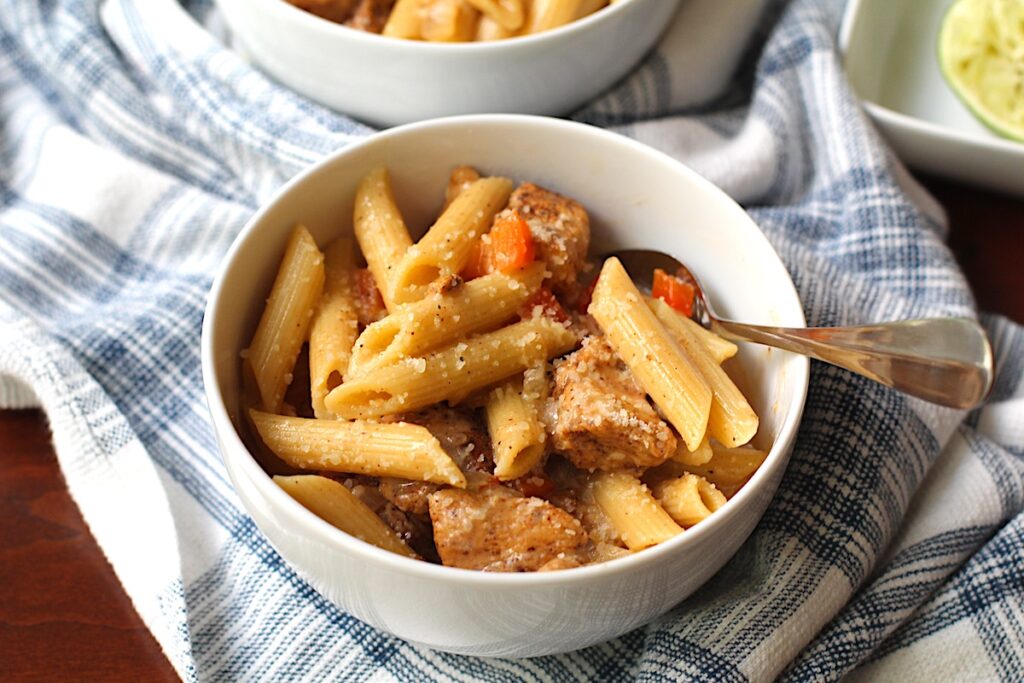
133 147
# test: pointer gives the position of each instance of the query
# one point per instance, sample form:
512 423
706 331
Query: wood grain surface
63 614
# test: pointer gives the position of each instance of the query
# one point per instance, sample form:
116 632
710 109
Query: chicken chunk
461 436
560 229
406 495
411 527
370 15
559 563
332 10
461 433
495 529
600 417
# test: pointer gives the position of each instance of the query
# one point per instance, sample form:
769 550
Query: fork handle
943 360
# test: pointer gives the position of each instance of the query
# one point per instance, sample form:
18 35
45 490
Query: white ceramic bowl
891 56
387 81
636 197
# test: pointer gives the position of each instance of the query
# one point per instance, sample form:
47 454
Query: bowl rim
232 446
417 48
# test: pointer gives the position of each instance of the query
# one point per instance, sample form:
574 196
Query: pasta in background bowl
637 198
452 20
386 81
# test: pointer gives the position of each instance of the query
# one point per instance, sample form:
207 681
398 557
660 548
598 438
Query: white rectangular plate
889 49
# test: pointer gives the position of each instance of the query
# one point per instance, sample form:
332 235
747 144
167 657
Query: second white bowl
388 81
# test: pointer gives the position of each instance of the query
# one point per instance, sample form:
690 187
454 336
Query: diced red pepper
550 307
674 291
511 247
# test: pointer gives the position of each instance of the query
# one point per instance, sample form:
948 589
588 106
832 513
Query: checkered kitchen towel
133 147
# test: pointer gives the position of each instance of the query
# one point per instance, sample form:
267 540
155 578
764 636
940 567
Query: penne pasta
689 499
731 420
475 357
661 368
402 450
545 15
335 324
445 248
285 321
701 455
449 374
637 517
719 348
332 502
440 319
448 20
506 13
380 230
488 29
451 20
730 468
514 424
404 20
589 7
535 383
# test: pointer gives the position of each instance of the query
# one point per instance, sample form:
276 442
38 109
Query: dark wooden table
63 614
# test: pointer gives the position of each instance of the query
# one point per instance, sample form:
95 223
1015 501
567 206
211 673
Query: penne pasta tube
404 20
548 14
335 324
488 29
631 508
514 424
448 20
732 421
605 552
589 7
507 13
661 368
688 499
380 230
730 468
536 387
285 321
332 502
441 319
719 348
446 246
402 450
701 455
449 374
